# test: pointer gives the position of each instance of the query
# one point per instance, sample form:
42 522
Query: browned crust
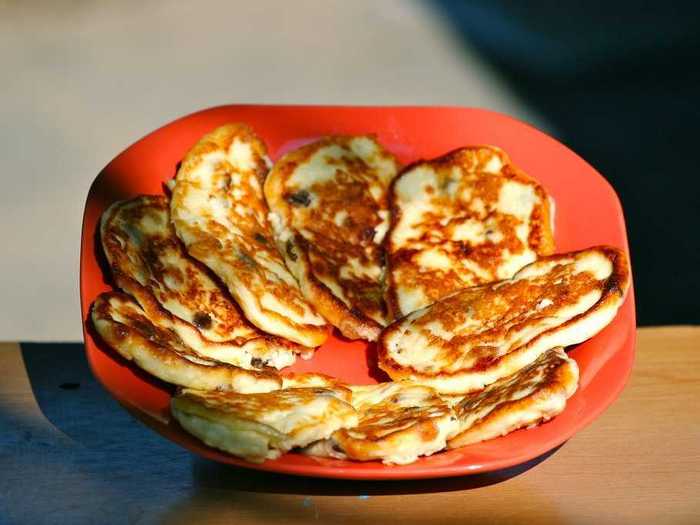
554 385
374 447
148 301
542 237
351 321
221 139
152 350
155 311
414 422
614 289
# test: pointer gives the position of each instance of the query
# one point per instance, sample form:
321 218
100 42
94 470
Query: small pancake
532 395
328 207
218 210
257 427
398 422
466 218
479 335
149 262
125 326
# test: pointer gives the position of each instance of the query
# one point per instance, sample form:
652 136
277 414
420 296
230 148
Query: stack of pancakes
447 263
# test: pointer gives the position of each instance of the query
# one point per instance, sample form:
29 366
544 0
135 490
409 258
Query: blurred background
617 82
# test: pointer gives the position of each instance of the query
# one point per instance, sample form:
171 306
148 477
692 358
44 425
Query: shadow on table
212 475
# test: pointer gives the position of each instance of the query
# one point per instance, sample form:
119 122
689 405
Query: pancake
328 207
149 262
532 395
218 211
398 422
466 218
257 427
125 326
481 334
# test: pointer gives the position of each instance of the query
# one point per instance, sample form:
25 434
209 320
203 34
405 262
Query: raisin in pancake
467 218
398 422
125 326
219 212
481 334
256 427
149 262
532 395
328 207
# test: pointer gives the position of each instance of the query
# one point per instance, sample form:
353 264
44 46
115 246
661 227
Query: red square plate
588 213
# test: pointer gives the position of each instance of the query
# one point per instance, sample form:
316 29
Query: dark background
619 82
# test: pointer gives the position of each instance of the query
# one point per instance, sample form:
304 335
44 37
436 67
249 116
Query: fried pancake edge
307 328
547 400
573 331
125 327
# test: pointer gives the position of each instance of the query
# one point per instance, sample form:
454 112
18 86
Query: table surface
70 454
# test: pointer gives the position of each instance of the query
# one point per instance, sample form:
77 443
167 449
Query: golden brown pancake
398 422
149 262
218 210
256 427
328 204
463 219
126 327
532 395
482 334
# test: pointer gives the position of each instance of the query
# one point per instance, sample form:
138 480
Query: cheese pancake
463 219
257 427
398 422
532 395
329 211
219 212
125 326
149 262
481 334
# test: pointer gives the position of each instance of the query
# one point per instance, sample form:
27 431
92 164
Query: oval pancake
463 219
218 210
532 395
329 211
481 334
257 427
398 422
149 262
125 326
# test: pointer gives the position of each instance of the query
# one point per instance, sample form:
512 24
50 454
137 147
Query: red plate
588 213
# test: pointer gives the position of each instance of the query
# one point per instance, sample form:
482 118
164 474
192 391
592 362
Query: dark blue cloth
620 83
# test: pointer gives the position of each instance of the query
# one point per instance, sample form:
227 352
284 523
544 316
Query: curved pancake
256 427
479 335
398 422
328 208
532 395
463 219
218 210
149 262
314 379
125 326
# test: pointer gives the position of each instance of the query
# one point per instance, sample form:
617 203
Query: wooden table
70 454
